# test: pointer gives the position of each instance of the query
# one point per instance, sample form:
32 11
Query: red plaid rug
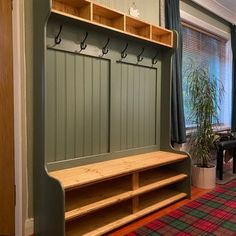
213 214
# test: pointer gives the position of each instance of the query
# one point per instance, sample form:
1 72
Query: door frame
20 124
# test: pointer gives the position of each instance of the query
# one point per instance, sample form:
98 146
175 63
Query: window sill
217 129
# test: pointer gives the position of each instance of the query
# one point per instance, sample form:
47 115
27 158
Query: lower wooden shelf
158 199
101 222
88 199
82 201
102 196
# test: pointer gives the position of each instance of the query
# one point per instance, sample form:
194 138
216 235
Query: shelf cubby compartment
107 17
81 201
101 221
158 177
158 199
72 8
162 36
137 27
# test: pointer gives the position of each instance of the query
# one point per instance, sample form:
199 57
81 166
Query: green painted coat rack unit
102 153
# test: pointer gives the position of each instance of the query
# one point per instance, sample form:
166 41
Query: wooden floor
196 192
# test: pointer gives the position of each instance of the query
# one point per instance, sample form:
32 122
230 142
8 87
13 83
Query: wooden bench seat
102 196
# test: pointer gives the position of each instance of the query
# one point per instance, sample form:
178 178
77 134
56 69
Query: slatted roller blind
206 48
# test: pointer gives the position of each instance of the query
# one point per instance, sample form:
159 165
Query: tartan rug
213 214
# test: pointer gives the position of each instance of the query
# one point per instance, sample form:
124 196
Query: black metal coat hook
58 38
105 50
83 45
139 57
123 53
154 59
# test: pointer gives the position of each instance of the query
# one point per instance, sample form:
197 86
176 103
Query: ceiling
229 5
224 8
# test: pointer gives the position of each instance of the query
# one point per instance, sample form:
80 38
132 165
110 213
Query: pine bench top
91 173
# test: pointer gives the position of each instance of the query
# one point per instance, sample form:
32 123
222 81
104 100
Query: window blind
206 48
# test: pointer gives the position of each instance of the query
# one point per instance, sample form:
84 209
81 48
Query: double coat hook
154 59
105 49
139 57
123 53
83 45
58 39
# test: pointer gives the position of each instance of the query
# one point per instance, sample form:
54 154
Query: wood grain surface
6 121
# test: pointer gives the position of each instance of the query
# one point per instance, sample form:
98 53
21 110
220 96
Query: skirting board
29 227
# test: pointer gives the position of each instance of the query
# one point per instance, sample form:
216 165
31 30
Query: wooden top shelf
74 3
96 14
87 174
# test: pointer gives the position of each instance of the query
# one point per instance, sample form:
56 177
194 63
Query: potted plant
204 93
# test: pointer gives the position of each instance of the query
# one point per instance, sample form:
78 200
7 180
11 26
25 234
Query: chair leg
217 163
234 160
220 163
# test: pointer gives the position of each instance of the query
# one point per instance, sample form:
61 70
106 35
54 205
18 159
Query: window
204 47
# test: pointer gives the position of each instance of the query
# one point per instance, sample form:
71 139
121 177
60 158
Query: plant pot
204 177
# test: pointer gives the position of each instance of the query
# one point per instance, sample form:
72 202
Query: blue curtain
233 44
173 22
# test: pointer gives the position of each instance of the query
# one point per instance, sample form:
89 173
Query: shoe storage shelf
103 196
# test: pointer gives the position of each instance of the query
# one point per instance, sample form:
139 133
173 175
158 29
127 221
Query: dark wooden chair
221 146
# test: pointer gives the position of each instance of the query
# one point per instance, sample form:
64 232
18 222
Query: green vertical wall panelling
130 107
154 89
70 106
133 106
82 95
115 107
159 103
50 108
146 110
96 107
141 97
123 104
136 108
77 106
87 106
104 106
79 100
60 105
